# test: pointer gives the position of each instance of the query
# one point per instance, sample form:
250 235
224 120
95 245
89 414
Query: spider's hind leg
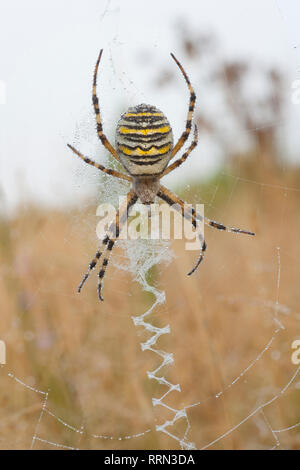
109 241
203 245
189 215
192 215
121 218
102 271
93 263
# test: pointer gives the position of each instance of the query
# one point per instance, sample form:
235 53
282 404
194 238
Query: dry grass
88 354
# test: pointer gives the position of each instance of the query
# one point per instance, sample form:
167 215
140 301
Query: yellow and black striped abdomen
144 140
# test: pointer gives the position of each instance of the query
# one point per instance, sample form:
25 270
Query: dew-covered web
198 363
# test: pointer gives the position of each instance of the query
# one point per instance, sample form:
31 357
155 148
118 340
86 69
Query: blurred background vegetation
222 319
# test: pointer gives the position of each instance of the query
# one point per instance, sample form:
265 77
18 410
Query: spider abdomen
144 140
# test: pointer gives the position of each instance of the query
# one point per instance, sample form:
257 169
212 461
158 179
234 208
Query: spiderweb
204 364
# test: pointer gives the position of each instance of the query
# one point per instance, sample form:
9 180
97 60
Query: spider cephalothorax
144 146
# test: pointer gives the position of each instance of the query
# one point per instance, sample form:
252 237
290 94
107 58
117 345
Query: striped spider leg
101 136
188 126
108 242
179 205
100 133
108 171
114 229
182 159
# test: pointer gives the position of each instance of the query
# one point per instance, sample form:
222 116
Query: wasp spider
144 147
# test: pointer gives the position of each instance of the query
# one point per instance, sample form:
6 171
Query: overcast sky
48 51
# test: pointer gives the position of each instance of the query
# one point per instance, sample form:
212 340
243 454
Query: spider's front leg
100 132
184 136
108 242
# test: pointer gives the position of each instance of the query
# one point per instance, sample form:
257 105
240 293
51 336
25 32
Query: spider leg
121 218
101 135
192 215
201 256
214 224
182 159
109 241
207 221
188 125
93 263
102 271
179 205
109 171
